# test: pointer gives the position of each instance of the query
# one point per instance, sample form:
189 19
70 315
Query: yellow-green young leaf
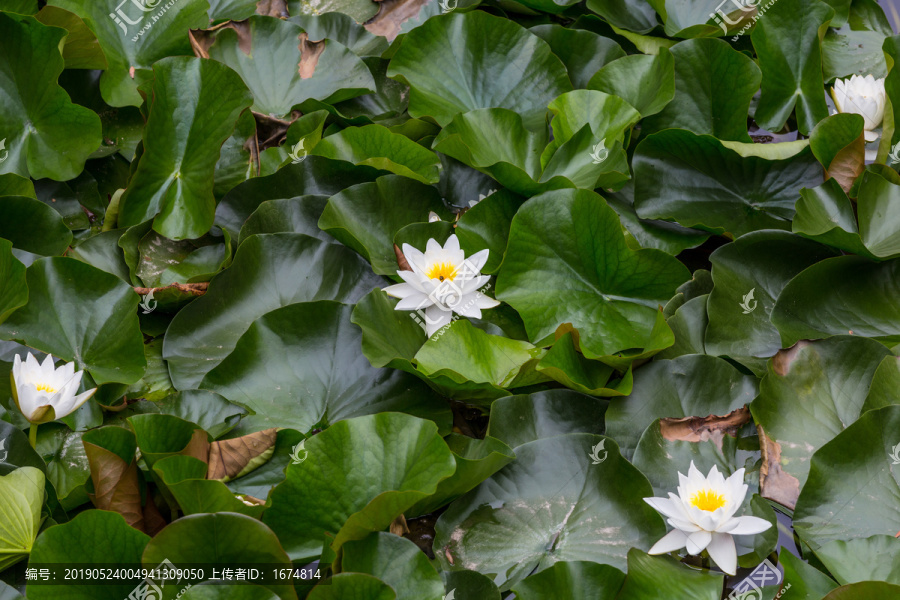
21 499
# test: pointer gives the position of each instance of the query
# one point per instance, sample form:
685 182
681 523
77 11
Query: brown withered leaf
783 359
116 484
391 15
198 447
229 458
202 39
774 483
702 429
401 259
848 163
309 55
398 526
273 8
154 522
194 289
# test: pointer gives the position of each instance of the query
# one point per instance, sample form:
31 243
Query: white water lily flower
703 516
442 282
862 96
44 393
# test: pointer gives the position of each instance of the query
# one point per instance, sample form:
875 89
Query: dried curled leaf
702 429
230 459
774 483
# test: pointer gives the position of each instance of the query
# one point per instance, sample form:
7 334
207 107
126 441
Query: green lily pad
389 460
81 50
476 460
688 386
701 104
289 215
86 539
876 558
35 98
524 418
135 37
663 577
79 313
185 478
486 225
367 216
21 499
569 367
863 591
471 47
811 393
561 508
851 481
220 540
578 580
14 291
353 585
749 274
314 175
572 261
280 369
283 67
67 465
173 182
376 146
645 82
878 205
787 44
206 331
396 561
803 578
583 52
676 172
813 305
825 214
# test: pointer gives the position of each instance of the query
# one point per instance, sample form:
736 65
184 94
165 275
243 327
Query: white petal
28 397
684 525
452 244
674 540
468 307
435 318
478 259
871 136
417 301
32 364
433 247
748 526
400 290
722 552
667 507
74 404
414 257
483 301
47 366
698 541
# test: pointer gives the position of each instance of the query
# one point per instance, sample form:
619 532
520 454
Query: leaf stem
32 435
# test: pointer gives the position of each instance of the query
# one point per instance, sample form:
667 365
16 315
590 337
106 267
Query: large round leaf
300 366
283 67
79 313
94 536
552 504
811 393
842 295
359 475
853 483
701 103
578 580
220 540
33 226
583 52
13 289
568 244
698 181
864 590
135 35
459 62
787 43
396 561
525 418
664 578
688 386
173 181
749 274
292 267
35 112
645 82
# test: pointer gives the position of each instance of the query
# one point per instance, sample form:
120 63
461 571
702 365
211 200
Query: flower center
442 271
43 387
708 500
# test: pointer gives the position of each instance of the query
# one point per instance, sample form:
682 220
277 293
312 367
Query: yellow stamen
43 387
442 271
708 500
